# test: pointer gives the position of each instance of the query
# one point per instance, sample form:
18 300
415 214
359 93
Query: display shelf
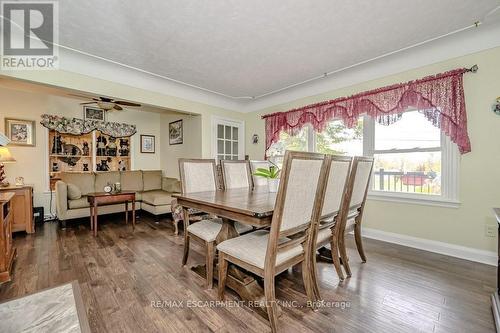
86 153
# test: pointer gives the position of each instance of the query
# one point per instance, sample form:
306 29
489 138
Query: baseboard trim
452 250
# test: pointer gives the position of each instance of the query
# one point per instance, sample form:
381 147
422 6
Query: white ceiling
249 48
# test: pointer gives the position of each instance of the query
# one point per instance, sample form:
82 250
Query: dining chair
236 174
200 175
254 165
353 207
327 229
268 253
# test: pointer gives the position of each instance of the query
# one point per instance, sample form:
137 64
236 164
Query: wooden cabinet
22 208
7 252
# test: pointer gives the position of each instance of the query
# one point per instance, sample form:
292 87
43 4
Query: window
414 161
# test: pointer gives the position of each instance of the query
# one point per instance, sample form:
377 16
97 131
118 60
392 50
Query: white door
228 139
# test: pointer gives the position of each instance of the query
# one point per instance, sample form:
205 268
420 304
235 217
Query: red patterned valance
439 97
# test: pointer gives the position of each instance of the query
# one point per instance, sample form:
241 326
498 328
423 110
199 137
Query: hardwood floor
121 273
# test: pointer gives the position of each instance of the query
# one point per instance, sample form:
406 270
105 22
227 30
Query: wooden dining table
251 207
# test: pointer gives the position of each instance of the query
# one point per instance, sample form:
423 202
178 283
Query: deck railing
399 181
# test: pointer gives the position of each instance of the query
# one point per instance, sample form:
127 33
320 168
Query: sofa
153 192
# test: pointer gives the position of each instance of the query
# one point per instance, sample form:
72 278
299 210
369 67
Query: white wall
191 147
32 161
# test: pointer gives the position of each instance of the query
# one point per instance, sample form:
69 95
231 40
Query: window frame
450 162
450 158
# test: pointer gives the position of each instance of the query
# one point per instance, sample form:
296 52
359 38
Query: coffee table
97 199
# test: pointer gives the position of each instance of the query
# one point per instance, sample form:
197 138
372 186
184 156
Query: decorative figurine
86 149
111 148
85 167
104 166
124 147
101 145
121 166
57 144
55 167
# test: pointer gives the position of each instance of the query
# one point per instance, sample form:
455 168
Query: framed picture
20 132
93 113
148 144
175 132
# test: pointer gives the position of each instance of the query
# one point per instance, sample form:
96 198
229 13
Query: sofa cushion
74 192
152 180
78 203
157 198
171 185
83 180
132 181
106 178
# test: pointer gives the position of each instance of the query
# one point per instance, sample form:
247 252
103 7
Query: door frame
216 120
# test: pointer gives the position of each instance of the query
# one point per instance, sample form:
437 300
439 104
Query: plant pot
273 184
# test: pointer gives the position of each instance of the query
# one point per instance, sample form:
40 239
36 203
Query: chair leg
336 258
314 278
271 305
359 241
210 264
176 227
222 275
343 255
307 277
186 248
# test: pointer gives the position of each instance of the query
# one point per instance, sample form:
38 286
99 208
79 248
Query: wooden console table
7 251
101 198
495 297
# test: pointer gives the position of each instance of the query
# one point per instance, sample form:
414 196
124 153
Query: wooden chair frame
338 227
249 171
333 220
210 246
302 235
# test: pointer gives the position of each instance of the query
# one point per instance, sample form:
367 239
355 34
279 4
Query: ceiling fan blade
105 99
127 103
117 107
80 96
87 103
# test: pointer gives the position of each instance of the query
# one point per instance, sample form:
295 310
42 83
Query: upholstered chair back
236 174
361 171
338 176
297 191
254 165
198 175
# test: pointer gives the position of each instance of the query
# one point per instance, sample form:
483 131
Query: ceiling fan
109 104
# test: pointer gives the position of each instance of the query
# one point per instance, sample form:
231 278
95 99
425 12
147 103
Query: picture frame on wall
148 144
21 132
175 131
94 113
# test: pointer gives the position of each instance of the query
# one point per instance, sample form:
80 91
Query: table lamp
5 157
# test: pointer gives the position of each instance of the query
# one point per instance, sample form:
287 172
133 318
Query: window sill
413 199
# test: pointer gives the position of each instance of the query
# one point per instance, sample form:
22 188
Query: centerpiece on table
272 175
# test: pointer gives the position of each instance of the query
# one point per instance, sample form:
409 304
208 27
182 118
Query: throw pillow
74 192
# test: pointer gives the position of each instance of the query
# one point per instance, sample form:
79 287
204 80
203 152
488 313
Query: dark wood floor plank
123 273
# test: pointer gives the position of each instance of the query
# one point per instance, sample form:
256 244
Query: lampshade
6 156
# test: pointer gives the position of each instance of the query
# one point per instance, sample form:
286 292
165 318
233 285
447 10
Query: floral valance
77 126
440 98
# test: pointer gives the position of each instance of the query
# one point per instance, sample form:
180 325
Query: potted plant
272 175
